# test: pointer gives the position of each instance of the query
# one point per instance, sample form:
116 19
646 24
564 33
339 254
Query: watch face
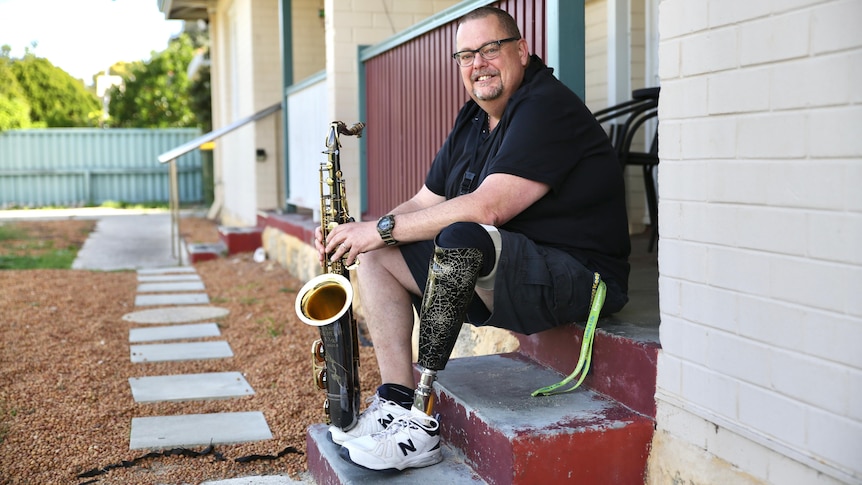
384 224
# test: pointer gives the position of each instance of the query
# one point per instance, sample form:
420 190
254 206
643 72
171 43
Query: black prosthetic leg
451 282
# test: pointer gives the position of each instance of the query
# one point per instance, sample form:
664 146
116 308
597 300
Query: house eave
184 9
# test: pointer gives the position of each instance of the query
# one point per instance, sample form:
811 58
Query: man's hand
348 240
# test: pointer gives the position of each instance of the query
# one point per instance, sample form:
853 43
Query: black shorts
536 287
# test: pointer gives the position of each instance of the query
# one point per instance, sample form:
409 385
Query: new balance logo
386 421
408 446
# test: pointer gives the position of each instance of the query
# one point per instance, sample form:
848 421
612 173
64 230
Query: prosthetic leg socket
451 283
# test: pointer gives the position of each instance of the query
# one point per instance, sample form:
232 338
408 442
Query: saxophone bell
324 299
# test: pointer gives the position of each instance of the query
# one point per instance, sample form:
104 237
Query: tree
14 107
156 94
56 99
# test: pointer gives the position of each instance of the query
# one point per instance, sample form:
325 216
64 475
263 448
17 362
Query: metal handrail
171 157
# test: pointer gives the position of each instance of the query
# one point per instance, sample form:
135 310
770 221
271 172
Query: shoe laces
407 421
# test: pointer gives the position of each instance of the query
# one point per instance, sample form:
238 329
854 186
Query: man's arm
498 199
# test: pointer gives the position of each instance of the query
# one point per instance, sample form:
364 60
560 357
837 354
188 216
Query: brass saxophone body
326 301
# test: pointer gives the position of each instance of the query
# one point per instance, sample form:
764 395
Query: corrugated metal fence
75 166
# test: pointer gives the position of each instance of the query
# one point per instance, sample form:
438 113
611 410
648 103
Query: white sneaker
375 418
412 440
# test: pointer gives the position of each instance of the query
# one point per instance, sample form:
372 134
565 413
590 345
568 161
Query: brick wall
761 238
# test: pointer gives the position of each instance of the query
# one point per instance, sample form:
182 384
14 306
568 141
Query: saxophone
326 300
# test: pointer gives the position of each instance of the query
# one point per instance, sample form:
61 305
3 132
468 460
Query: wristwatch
385 225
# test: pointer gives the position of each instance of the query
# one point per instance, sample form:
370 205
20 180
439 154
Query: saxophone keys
320 378
326 411
318 352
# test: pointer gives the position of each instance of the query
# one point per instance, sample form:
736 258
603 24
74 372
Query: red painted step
624 358
240 239
509 437
205 251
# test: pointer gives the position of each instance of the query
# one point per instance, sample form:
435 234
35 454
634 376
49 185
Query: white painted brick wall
761 234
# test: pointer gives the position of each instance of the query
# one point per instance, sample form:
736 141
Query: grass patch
53 259
10 232
40 245
121 204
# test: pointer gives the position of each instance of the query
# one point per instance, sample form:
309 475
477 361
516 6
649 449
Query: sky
83 37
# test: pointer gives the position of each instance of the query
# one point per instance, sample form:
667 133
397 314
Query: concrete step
510 437
623 364
240 239
205 251
505 436
327 467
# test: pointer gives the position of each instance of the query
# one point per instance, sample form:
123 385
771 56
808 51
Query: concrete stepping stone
165 287
167 270
180 351
187 387
172 299
174 332
176 314
198 430
167 277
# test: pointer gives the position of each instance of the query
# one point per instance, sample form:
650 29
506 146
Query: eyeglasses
488 51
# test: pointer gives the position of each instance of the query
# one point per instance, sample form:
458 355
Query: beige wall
309 43
247 77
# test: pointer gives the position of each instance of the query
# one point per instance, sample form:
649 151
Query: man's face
498 78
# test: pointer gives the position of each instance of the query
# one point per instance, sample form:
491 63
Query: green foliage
8 232
121 204
156 94
14 107
56 259
55 98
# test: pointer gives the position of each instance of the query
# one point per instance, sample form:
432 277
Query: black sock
401 395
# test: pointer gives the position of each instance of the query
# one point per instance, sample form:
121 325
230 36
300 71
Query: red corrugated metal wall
412 95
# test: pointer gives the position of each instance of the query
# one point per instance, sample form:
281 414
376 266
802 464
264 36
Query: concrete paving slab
198 430
187 387
174 332
170 287
157 278
180 351
176 314
171 299
167 270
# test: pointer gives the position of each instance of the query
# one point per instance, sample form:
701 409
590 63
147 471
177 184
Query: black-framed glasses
488 51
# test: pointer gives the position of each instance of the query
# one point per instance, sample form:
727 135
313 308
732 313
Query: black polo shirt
546 134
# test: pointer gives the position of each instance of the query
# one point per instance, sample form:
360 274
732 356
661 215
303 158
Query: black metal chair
625 120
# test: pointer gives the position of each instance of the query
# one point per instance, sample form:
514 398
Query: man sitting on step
523 205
